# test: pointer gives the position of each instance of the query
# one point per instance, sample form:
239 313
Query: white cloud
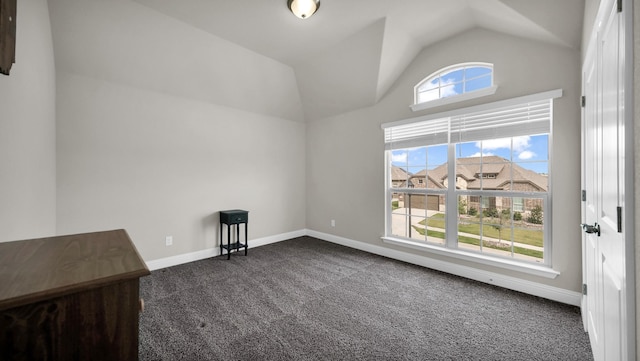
521 143
399 157
475 155
527 154
447 89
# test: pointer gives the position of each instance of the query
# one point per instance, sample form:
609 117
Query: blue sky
530 152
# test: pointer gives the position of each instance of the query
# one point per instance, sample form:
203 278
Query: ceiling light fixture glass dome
303 8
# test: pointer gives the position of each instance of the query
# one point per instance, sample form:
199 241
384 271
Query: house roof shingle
398 174
471 169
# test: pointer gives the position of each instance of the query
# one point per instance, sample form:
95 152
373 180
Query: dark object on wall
72 297
7 35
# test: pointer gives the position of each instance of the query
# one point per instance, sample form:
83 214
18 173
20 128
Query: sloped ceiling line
345 58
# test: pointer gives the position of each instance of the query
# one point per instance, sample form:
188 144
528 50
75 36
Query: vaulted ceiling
364 45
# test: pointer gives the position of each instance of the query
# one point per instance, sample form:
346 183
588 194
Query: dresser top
37 269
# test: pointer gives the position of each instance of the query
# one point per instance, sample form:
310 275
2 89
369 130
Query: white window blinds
512 121
510 118
435 131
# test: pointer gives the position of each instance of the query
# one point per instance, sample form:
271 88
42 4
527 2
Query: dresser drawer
234 216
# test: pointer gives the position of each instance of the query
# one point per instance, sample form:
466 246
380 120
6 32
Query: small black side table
231 217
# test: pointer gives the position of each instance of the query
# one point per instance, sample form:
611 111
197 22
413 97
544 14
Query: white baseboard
213 252
512 283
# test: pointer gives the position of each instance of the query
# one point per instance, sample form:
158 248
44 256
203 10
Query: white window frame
432 128
416 106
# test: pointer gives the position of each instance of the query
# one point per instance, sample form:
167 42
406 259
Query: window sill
542 271
454 99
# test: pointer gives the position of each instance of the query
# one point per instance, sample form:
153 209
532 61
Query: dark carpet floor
306 299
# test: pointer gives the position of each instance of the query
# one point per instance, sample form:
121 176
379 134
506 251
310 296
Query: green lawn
476 242
520 235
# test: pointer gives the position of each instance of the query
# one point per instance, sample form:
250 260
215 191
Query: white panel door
604 182
592 315
611 193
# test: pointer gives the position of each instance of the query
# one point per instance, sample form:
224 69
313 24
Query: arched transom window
454 83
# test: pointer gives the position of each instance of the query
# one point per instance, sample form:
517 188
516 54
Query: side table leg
237 237
246 240
228 241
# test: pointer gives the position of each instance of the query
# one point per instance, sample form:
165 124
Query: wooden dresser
72 297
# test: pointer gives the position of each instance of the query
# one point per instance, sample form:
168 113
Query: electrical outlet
333 223
168 241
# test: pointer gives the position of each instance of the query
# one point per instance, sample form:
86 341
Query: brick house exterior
494 173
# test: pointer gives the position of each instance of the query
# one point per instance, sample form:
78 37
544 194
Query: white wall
161 125
159 165
27 130
345 153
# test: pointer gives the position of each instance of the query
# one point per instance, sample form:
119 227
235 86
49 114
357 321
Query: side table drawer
234 216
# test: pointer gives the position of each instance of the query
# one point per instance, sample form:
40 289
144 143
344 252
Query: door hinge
584 289
619 219
583 101
584 195
619 6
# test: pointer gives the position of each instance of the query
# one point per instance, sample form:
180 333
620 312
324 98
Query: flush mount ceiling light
303 8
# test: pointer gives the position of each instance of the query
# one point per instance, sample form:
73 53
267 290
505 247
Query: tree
536 215
517 216
462 207
503 217
490 212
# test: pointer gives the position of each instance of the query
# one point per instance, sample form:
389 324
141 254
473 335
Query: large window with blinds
475 180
